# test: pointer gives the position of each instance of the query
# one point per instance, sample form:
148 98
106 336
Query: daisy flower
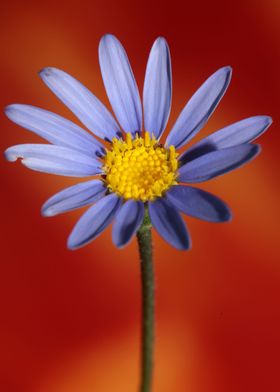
131 168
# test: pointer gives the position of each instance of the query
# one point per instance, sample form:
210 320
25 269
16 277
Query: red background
70 320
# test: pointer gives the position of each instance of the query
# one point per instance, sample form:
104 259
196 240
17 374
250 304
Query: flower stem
144 237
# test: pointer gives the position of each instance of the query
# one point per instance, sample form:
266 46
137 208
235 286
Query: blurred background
69 321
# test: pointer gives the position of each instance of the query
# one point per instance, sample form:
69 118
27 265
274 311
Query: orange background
70 320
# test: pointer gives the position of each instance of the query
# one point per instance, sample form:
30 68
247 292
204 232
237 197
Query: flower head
140 168
132 169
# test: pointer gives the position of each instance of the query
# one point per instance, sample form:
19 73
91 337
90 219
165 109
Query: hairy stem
144 237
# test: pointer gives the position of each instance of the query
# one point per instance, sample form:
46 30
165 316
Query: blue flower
133 169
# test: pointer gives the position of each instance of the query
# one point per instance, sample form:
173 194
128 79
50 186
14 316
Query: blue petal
157 89
55 129
199 108
120 84
94 221
128 221
54 160
92 113
217 162
240 132
168 223
198 203
75 196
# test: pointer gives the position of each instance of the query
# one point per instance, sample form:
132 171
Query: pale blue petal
120 84
198 203
128 221
217 163
54 160
199 108
169 224
157 89
91 112
240 132
54 128
94 221
74 197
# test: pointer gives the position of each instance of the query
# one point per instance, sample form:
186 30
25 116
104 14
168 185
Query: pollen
140 168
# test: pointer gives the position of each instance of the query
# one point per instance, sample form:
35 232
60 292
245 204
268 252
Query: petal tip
107 39
161 41
8 109
256 149
120 245
47 212
13 110
9 112
185 247
10 155
44 70
253 151
108 36
225 214
269 120
117 241
47 72
228 217
71 244
263 121
160 44
227 69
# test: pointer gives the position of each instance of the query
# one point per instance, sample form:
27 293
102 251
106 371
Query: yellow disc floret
140 168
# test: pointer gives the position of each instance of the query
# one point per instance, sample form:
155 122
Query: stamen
129 139
147 139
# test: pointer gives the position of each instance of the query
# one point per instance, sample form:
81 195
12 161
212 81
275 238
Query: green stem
144 237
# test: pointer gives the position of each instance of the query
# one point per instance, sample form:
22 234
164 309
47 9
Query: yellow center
140 168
